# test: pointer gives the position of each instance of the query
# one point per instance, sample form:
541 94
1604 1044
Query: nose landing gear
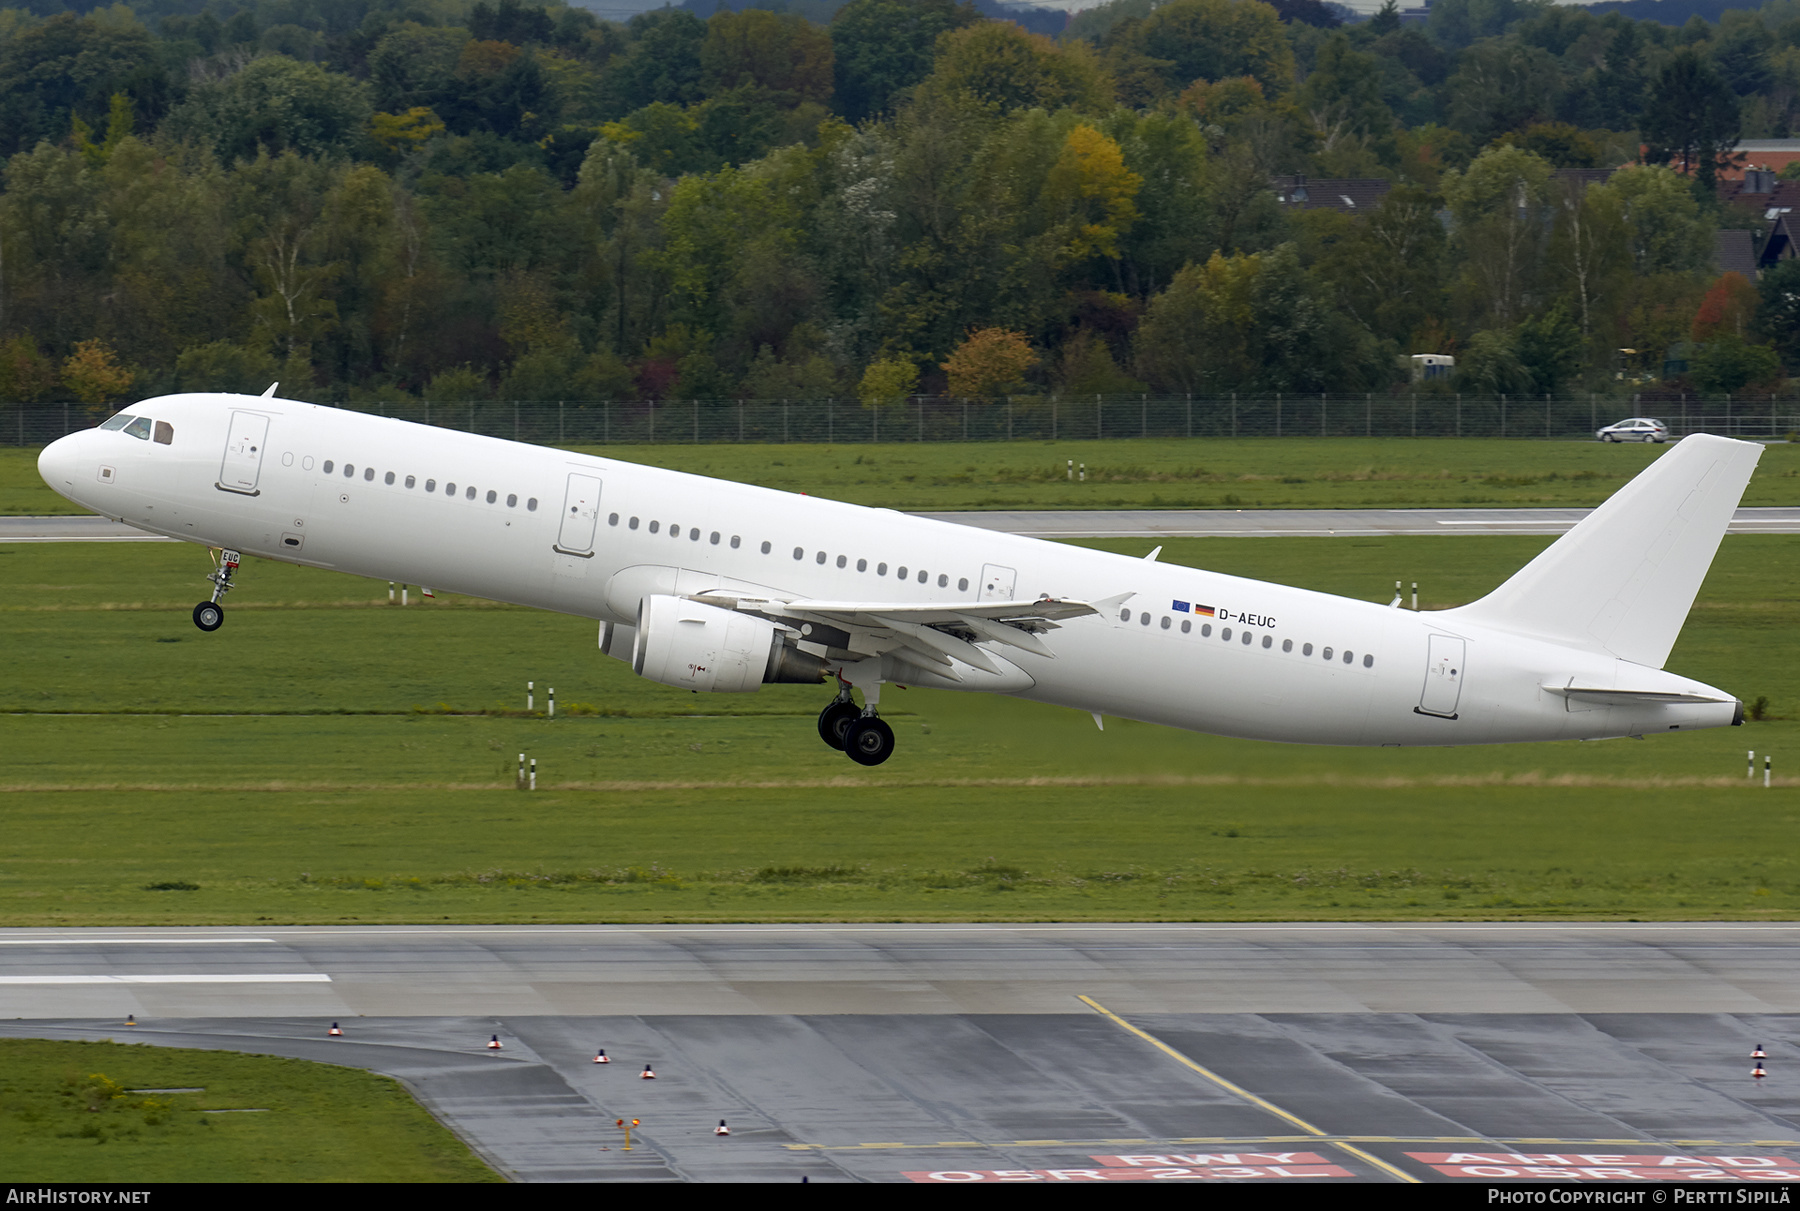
210 615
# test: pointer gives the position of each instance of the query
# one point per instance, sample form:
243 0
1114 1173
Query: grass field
113 1112
1250 473
321 760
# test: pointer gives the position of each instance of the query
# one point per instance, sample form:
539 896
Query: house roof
1351 195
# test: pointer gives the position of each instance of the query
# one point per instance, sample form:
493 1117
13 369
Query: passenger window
1124 615
922 575
1143 620
632 524
943 580
1206 630
1349 656
165 433
492 496
469 494
842 560
799 552
736 541
1247 637
1268 641
714 541
512 502
349 471
765 548
139 428
1187 624
369 475
881 569
1165 622
430 484
655 526
1225 634
694 534
388 478
862 565
901 574
410 481
1327 653
1368 662
821 559
1287 645
962 586
531 505
327 467
449 489
611 521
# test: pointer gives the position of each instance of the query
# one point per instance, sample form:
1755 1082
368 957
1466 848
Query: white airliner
714 586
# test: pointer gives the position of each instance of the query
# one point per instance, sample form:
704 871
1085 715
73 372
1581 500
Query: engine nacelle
700 647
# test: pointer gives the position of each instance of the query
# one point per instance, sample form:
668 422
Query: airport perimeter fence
1024 418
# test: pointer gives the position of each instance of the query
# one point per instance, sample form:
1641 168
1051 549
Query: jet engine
704 648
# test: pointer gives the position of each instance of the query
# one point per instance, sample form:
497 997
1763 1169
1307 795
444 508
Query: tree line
428 198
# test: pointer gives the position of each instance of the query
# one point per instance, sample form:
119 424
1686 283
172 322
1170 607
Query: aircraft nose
60 463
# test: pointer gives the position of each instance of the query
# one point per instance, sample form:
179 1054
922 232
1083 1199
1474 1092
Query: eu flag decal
1180 607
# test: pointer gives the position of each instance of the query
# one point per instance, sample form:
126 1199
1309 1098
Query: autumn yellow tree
990 361
1092 196
93 375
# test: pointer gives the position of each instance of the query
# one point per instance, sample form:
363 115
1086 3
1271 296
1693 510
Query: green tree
999 64
883 47
785 55
1500 206
274 105
1692 118
1213 40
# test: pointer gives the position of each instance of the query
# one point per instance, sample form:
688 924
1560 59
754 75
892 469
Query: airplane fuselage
594 537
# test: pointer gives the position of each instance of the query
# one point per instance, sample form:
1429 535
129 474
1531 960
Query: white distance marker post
529 697
1766 760
1415 596
390 592
1750 764
533 774
402 594
519 782
552 702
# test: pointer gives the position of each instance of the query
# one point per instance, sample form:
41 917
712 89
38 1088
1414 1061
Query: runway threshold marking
1235 1090
1242 1142
304 977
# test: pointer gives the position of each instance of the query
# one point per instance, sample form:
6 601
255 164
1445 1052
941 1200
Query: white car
1637 429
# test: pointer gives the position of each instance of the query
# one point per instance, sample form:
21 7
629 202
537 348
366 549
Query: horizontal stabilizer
1623 580
1628 697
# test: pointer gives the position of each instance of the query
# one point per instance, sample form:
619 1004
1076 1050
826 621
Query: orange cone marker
721 1129
648 1075
494 1043
600 1057
334 1032
1759 1053
131 1019
1757 1072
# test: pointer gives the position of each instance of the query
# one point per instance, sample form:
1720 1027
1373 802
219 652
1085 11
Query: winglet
270 393
1151 558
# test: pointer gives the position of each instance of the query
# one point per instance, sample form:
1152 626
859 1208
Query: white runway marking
298 977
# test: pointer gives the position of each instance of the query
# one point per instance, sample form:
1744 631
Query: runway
1122 523
967 1053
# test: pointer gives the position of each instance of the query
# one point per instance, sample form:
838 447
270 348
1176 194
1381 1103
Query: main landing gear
210 615
857 731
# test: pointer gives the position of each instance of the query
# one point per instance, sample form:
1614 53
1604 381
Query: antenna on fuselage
270 393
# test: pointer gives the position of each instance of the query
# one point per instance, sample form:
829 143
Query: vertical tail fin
1622 581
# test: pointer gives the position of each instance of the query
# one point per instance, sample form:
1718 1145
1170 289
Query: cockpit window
118 422
139 428
165 433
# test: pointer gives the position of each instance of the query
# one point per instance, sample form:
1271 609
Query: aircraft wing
935 634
